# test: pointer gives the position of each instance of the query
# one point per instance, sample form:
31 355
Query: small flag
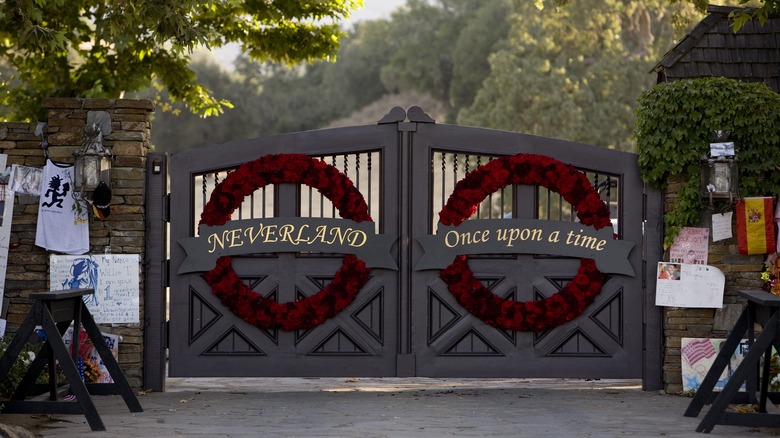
698 349
755 226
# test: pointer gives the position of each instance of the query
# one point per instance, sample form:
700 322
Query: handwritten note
721 226
114 277
690 246
695 286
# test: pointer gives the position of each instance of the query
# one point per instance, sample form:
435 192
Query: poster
689 285
88 352
114 277
6 214
690 246
698 355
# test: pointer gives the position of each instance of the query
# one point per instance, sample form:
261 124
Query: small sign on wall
114 277
698 355
689 285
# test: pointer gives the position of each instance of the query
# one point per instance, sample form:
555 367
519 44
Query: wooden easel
54 311
762 308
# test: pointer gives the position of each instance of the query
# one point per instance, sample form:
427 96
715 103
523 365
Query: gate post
155 265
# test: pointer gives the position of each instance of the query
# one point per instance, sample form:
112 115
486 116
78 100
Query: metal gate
405 322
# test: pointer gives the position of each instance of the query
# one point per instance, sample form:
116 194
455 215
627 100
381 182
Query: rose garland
529 169
241 299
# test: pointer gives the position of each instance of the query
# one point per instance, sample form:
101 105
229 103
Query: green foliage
9 383
573 75
675 124
82 48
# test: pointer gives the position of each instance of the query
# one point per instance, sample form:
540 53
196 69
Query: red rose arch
241 299
528 169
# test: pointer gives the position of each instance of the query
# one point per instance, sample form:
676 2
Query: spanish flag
755 226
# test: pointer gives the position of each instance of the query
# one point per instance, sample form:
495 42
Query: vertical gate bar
454 170
479 207
443 179
357 171
405 192
264 201
370 191
204 197
333 207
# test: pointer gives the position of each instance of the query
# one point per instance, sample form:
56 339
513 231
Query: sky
371 10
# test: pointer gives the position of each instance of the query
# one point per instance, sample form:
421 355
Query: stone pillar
741 272
123 232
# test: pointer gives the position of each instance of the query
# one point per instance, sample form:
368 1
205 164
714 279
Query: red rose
237 296
530 169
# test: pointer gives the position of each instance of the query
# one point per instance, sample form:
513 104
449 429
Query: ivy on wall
675 125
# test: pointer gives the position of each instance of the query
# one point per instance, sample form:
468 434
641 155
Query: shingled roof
713 49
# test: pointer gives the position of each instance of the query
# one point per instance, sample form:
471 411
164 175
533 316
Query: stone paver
414 407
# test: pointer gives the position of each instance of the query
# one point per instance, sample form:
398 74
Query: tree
754 9
84 48
442 47
574 75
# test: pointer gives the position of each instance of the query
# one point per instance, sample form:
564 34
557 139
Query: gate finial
397 114
416 114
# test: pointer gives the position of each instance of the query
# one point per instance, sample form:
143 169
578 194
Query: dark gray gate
405 322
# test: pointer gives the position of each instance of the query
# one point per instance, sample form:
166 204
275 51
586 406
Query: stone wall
123 232
741 272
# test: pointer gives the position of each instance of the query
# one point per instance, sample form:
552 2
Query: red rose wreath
241 299
538 315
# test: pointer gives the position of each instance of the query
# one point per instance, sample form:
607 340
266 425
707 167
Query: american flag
697 349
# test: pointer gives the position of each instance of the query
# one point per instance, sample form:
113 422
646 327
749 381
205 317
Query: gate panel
406 322
206 339
606 341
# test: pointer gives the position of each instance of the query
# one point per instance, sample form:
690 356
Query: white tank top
61 226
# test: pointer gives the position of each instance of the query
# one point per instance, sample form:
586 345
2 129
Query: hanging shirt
62 220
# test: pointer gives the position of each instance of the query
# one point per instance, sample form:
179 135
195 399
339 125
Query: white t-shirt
62 227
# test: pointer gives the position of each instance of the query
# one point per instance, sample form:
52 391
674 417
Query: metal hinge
166 330
166 207
166 273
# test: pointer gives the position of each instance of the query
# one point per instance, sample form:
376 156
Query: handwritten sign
721 226
294 234
689 285
114 277
526 236
690 246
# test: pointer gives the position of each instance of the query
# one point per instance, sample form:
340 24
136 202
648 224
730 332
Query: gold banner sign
271 235
526 236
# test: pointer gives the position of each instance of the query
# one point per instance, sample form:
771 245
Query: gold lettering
235 238
589 242
555 239
270 234
284 233
249 232
340 235
321 230
216 242
354 236
299 238
585 241
447 240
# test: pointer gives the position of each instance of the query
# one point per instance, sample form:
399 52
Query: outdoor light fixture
93 160
719 175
